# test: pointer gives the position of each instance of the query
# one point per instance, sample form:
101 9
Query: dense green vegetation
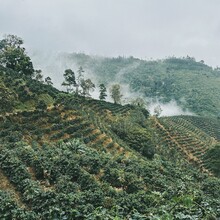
20 92
194 85
68 156
209 125
70 180
212 159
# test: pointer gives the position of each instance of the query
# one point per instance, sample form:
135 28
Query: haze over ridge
139 28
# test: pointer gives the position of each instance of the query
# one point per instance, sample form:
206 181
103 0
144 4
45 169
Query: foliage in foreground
212 158
71 181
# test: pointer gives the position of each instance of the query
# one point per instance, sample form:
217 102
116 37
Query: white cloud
169 109
142 28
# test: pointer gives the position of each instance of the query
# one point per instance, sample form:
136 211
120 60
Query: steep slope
209 125
66 156
80 158
106 172
179 133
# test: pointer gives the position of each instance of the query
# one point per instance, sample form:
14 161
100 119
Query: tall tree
87 86
48 81
80 79
102 90
115 92
69 80
38 75
80 72
157 110
13 56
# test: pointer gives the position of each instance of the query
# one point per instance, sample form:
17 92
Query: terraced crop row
114 108
58 124
176 132
211 126
185 128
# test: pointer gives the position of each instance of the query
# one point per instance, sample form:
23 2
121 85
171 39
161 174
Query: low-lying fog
169 109
55 65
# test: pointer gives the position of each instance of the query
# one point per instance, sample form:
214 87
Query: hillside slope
85 159
67 156
193 139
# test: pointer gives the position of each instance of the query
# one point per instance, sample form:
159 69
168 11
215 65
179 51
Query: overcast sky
141 28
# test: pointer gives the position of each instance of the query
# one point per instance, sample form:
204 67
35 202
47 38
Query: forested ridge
192 84
65 155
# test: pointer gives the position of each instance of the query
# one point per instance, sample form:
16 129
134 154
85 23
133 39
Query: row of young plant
113 107
185 137
37 124
14 127
168 146
210 126
52 126
211 159
191 128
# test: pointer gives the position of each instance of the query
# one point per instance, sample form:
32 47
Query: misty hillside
193 85
89 159
65 155
109 110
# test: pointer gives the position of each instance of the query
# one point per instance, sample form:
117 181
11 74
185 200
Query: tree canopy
70 80
116 93
87 86
14 56
102 90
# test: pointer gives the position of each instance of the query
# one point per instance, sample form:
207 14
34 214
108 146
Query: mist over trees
192 84
65 155
115 92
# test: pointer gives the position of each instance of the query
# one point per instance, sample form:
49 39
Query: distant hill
193 85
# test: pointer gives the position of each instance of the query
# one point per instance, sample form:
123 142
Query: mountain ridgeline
193 85
68 156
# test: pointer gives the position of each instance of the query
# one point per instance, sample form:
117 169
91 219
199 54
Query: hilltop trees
48 81
102 90
139 102
115 92
70 80
38 75
13 56
87 86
